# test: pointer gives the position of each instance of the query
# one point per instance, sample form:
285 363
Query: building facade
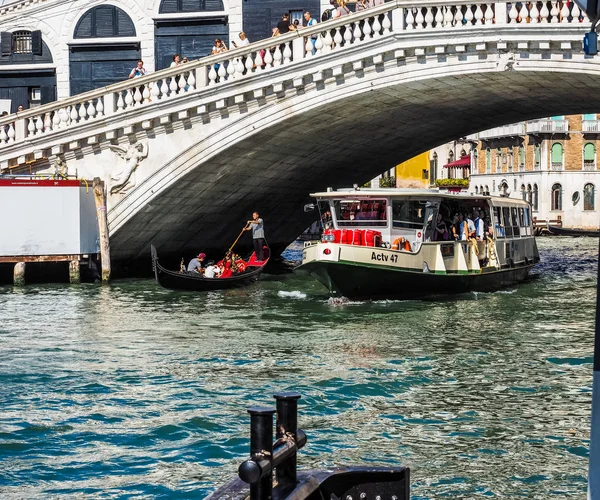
552 163
52 49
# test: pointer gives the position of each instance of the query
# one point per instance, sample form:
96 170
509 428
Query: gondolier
258 235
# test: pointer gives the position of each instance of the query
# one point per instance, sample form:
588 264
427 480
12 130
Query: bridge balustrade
261 58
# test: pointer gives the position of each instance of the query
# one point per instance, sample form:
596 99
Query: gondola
177 280
563 231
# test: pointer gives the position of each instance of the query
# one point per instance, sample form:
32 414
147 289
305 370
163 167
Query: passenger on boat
258 235
454 226
478 222
196 265
470 226
440 232
463 228
211 270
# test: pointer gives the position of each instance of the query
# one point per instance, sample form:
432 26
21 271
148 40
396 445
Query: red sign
40 182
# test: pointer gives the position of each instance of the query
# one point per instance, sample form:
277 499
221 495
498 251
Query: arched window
504 189
476 189
589 157
104 21
557 197
529 194
488 160
450 156
534 202
523 192
173 6
588 197
557 156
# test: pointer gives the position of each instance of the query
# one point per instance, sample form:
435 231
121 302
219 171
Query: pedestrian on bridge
310 21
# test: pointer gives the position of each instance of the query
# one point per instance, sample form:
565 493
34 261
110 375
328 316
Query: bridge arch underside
341 142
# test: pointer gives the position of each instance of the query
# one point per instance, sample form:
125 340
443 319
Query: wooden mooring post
19 274
100 199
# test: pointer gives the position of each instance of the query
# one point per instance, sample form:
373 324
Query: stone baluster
309 46
56 120
469 16
576 13
488 16
91 110
523 14
328 42
120 102
319 44
30 127
544 13
230 69
222 72
212 75
367 30
439 17
173 86
386 24
155 91
534 14
268 59
146 93
64 117
458 16
277 56
554 13
100 107
191 81
39 125
448 17
11 132
82 114
48 122
564 13
410 19
3 134
428 18
337 38
259 60
419 19
74 114
164 88
137 96
181 83
249 64
287 54
376 27
239 68
478 15
129 101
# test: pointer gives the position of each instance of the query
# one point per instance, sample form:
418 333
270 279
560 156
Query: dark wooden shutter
213 5
6 43
191 5
169 7
48 93
105 21
125 25
36 43
84 27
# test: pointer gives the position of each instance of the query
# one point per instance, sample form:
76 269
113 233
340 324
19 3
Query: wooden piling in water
74 274
100 199
19 274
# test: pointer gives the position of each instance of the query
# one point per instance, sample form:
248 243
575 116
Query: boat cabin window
498 222
506 221
325 212
413 214
355 212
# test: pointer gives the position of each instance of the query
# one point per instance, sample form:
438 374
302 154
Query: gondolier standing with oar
258 235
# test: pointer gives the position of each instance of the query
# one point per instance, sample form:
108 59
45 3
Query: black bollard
287 425
261 445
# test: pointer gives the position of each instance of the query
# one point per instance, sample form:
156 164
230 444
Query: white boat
384 243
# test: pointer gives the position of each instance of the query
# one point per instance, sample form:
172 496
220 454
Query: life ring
402 244
406 245
396 244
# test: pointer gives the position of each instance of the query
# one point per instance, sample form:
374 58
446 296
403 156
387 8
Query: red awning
465 161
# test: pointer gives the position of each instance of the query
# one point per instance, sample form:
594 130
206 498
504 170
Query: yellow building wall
413 173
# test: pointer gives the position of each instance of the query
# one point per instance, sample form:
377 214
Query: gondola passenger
212 271
196 265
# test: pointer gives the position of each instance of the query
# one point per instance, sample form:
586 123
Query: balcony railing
548 127
557 165
589 165
590 126
503 131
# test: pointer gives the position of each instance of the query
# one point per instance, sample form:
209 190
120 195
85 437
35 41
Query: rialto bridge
189 152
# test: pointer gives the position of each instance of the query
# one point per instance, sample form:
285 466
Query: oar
240 235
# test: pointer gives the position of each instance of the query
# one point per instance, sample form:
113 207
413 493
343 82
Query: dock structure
49 220
270 472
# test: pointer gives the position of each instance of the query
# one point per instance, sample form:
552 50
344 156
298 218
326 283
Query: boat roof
401 192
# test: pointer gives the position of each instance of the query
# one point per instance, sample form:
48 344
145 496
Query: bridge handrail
406 15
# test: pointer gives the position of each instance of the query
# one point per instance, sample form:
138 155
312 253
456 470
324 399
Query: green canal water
133 391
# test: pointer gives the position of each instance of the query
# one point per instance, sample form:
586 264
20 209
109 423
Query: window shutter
84 28
213 5
125 25
48 93
36 43
6 43
105 17
169 7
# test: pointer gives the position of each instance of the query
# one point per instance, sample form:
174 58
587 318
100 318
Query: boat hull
196 283
561 231
362 282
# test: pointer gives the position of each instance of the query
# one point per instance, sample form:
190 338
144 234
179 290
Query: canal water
131 390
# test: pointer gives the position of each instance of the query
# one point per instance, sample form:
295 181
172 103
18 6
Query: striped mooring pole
594 470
